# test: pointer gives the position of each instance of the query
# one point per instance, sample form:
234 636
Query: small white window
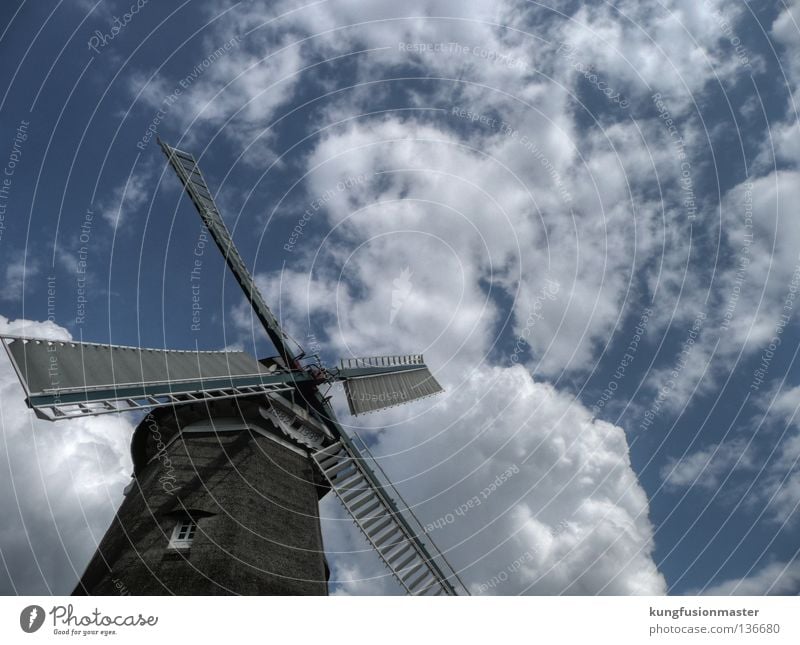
183 534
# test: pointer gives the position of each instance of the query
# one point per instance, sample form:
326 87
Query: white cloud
773 463
772 257
777 578
675 49
452 212
128 197
570 518
21 269
786 404
236 83
780 490
785 30
708 466
61 483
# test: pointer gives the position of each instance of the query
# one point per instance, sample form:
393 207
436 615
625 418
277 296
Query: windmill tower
234 453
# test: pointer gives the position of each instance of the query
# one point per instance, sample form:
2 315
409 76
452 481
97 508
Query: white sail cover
51 365
376 392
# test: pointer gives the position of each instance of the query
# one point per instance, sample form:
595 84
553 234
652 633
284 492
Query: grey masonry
251 493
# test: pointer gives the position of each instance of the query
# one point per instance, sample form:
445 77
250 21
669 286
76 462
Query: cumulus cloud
762 230
567 516
776 578
676 49
19 269
708 466
61 483
784 31
128 197
244 69
773 466
510 233
780 491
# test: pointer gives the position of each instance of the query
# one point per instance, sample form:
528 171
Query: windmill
234 453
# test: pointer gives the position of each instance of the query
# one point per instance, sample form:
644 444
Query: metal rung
406 562
386 536
201 186
410 573
396 556
327 463
364 500
382 531
376 503
183 155
208 204
351 478
191 163
354 494
346 478
372 520
346 474
191 171
413 585
426 589
328 451
350 486
380 527
326 460
330 472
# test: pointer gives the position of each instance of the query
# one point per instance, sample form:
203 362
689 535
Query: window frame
183 543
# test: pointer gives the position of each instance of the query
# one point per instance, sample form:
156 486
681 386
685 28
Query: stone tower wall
254 499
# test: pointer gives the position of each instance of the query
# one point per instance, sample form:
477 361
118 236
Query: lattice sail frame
66 379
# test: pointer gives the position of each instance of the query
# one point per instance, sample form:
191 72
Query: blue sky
643 159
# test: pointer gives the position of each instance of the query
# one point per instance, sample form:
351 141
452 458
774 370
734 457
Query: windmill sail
417 564
64 379
185 166
382 382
